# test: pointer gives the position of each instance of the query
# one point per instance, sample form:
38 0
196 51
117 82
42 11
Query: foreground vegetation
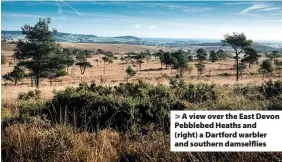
129 122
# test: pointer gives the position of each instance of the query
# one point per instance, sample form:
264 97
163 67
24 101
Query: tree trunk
166 66
237 67
37 81
171 71
140 67
31 81
50 81
104 67
16 82
161 68
37 76
249 65
83 70
263 75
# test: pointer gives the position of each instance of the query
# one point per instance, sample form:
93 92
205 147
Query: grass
33 142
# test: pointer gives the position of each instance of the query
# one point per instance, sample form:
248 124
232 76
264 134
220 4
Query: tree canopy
251 56
201 54
16 75
130 72
39 50
213 56
238 42
266 67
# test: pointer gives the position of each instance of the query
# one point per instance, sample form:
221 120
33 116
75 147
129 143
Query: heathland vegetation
128 121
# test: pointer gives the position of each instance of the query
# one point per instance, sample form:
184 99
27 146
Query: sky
259 20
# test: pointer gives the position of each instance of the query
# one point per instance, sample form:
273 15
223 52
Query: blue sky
193 19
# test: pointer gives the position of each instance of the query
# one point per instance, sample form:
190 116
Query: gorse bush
267 90
29 95
126 106
270 92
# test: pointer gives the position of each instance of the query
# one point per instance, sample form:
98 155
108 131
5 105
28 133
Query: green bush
126 106
266 90
31 107
29 95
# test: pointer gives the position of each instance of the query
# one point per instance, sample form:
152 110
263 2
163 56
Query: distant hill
68 37
128 37
11 32
166 42
256 45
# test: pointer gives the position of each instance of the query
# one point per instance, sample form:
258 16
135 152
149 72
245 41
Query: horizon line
280 41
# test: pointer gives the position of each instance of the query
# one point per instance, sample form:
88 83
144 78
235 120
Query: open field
115 72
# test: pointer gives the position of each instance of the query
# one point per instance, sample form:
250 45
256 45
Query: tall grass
33 142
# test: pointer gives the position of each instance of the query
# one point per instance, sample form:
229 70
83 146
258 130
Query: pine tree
39 50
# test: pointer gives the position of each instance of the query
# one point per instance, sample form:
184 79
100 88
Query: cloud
193 8
136 26
200 9
279 21
23 15
112 17
253 7
60 11
152 27
68 5
8 14
237 3
277 14
270 9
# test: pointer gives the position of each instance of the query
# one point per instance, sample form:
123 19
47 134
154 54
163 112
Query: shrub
225 74
126 106
267 90
31 107
29 95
